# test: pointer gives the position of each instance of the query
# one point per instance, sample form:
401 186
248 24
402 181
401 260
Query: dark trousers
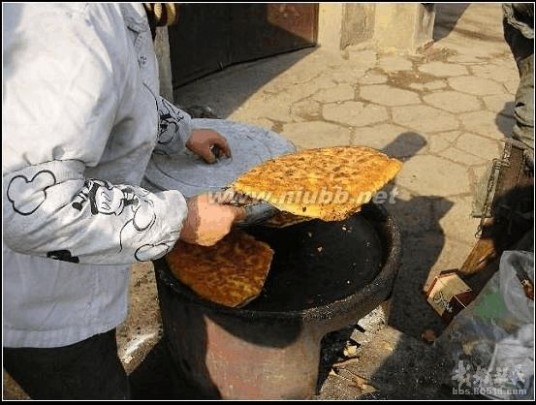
523 51
90 369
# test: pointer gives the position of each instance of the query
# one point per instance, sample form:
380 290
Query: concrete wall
330 16
424 35
357 23
161 47
403 27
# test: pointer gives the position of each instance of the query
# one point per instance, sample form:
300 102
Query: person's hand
202 142
207 221
256 211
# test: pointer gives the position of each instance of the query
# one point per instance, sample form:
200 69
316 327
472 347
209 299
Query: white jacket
81 116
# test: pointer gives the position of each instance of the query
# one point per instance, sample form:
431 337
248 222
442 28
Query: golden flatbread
326 183
231 273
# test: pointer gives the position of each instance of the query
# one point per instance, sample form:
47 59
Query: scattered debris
526 282
350 351
449 294
363 384
429 336
528 288
333 373
387 346
356 380
347 362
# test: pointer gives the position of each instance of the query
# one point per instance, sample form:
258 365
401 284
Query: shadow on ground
423 240
229 96
395 363
447 15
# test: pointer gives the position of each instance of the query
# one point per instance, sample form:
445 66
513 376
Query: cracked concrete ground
444 113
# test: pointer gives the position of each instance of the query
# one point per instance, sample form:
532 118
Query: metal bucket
270 349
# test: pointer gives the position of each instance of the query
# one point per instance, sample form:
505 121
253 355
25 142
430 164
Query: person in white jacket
81 117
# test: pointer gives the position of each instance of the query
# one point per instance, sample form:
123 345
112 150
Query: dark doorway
209 37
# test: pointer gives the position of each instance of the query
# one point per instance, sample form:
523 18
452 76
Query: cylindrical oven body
271 351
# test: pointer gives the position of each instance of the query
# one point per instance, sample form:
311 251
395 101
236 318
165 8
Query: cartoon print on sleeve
104 198
144 218
150 252
27 195
64 255
107 199
169 121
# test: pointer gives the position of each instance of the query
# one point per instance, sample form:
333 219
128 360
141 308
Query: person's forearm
51 210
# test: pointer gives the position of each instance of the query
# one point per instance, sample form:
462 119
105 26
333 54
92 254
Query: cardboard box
448 295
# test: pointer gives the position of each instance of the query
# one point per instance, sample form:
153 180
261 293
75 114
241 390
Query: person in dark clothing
518 22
